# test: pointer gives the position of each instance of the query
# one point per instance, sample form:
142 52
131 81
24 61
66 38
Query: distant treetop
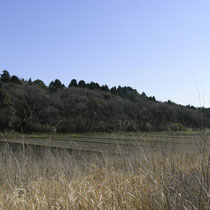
73 83
5 77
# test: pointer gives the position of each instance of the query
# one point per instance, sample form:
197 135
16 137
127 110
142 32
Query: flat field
112 142
105 171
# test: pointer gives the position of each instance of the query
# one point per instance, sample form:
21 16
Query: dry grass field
145 178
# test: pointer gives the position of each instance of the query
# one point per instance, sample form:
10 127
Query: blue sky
161 47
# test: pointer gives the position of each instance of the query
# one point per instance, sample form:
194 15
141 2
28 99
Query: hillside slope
31 106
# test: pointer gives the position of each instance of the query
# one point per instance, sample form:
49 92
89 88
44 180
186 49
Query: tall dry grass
145 180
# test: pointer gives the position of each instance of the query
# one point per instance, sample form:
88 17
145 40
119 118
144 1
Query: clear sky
161 47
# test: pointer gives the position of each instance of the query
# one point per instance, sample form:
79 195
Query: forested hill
31 106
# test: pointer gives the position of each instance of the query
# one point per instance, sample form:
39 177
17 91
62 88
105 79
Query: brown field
105 171
125 143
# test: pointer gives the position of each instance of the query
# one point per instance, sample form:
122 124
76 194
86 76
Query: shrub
176 127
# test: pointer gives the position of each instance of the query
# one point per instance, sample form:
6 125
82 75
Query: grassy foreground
144 180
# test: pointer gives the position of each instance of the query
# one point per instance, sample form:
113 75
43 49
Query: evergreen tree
15 79
5 77
93 85
39 83
105 88
144 95
81 84
55 85
73 83
30 81
7 111
114 90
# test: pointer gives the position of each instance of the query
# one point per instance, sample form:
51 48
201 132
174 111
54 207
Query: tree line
32 106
